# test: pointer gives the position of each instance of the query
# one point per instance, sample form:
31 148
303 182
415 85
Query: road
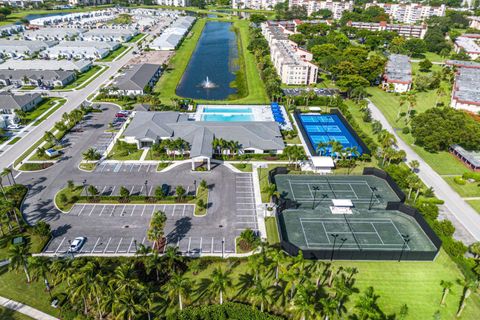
74 99
457 206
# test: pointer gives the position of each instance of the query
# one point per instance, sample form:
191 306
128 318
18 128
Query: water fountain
207 84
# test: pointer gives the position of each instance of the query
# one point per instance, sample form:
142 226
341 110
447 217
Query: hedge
229 310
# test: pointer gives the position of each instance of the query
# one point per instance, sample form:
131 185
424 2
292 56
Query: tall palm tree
173 258
469 285
39 267
446 285
153 262
260 294
220 281
18 255
126 305
8 173
276 260
178 288
328 307
367 306
302 305
155 231
152 302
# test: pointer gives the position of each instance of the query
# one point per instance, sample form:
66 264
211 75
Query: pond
213 64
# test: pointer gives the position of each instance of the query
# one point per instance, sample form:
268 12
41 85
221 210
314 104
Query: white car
76 244
14 126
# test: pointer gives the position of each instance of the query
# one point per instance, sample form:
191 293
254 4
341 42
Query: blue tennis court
323 128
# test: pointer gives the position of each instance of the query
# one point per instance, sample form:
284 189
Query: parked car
120 115
76 244
14 127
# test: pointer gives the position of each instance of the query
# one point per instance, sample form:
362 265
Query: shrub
460 181
62 198
406 130
471 175
228 310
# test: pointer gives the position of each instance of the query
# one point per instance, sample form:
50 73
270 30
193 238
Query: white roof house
116 35
171 36
68 65
52 34
80 50
23 48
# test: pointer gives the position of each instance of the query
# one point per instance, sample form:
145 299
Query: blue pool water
322 128
220 117
227 110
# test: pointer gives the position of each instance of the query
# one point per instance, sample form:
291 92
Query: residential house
11 103
49 33
465 93
50 78
69 65
137 80
398 74
468 43
109 35
23 48
173 35
81 50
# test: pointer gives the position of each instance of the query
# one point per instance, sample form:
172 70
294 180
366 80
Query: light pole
69 248
195 186
135 243
315 189
146 188
406 240
223 247
335 236
371 198
85 186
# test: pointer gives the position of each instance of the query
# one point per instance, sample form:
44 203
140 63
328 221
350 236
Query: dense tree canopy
438 128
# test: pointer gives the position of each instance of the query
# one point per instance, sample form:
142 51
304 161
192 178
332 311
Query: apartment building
88 2
255 4
469 43
398 74
474 22
465 93
291 62
409 12
22 48
404 30
55 34
21 3
175 3
312 6
80 50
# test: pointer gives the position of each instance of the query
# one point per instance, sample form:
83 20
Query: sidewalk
26 310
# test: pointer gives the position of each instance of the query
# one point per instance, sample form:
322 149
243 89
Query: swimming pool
226 110
323 128
221 117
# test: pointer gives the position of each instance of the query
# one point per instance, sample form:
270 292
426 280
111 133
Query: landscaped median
72 194
116 54
85 78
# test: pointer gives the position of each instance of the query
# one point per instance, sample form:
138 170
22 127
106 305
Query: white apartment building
88 2
465 93
312 6
409 12
398 74
474 22
255 4
21 3
404 30
175 3
291 62
468 43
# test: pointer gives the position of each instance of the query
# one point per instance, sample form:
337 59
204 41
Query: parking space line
93 207
153 210
131 242
113 190
109 239
123 210
104 206
103 190
173 212
81 210
119 243
143 240
212 246
140 167
134 207
58 248
111 213
144 206
148 168
184 207
131 168
189 242
96 243
201 242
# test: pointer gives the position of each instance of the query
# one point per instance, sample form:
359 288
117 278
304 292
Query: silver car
76 244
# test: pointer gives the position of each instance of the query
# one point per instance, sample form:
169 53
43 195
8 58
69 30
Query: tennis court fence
360 254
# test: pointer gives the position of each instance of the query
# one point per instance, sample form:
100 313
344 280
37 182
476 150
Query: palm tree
125 306
172 258
260 294
9 173
322 148
367 305
271 190
18 255
91 154
153 303
155 231
328 307
468 286
277 259
302 305
446 285
414 164
178 288
220 281
154 262
40 266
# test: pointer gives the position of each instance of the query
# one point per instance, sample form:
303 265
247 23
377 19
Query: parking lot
104 141
245 203
126 167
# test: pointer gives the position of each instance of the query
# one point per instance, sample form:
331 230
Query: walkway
459 210
26 310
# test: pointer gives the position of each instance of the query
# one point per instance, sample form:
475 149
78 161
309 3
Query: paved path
461 210
26 310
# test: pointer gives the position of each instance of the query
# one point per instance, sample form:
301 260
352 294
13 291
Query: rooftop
398 68
137 77
16 101
45 64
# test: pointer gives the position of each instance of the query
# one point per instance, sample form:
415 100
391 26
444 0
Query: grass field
136 38
442 162
244 167
470 189
168 82
475 204
272 230
115 54
69 193
14 140
45 105
132 154
60 103
202 193
84 78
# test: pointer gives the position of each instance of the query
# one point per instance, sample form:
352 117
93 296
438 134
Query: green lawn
69 193
8 314
115 54
60 103
272 230
442 162
130 153
14 140
416 284
85 78
475 204
87 166
434 57
169 80
45 105
470 189
136 38
162 165
245 167
202 193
